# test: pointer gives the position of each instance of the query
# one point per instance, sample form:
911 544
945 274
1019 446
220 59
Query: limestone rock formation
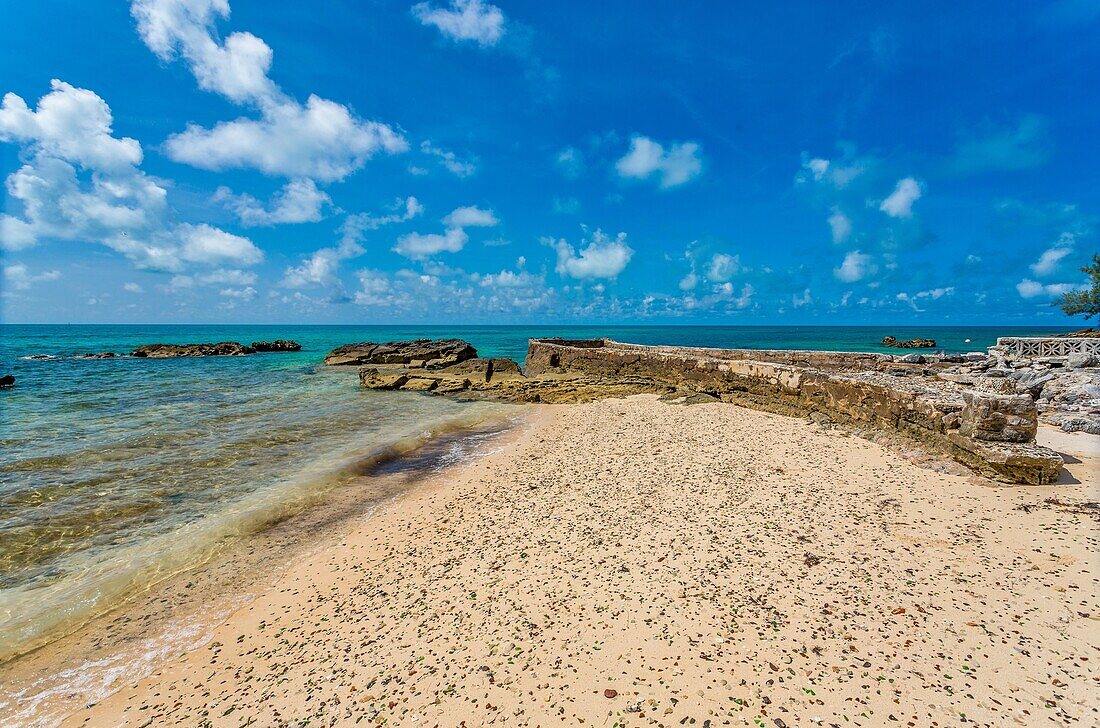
175 351
429 353
276 345
998 417
983 421
909 344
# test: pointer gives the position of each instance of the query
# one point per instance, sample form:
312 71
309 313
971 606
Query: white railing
1047 346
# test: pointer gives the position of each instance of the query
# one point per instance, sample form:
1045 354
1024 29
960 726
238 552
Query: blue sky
467 161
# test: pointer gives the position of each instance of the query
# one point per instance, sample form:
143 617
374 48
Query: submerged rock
175 351
426 353
7 381
277 345
98 355
909 344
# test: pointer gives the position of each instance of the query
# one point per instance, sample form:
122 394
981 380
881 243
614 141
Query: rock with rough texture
1084 360
909 344
1033 380
1081 424
485 369
1082 334
374 379
7 381
912 359
991 431
176 351
430 352
998 417
98 355
276 345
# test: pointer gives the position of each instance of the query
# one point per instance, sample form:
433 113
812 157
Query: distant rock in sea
910 344
7 381
175 351
1082 334
98 355
221 348
427 353
277 345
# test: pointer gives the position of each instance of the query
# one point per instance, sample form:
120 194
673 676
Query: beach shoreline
147 627
634 562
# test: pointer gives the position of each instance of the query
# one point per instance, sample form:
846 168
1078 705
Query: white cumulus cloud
236 68
900 202
321 139
471 216
298 201
601 257
449 160
471 20
70 123
1028 288
1052 256
722 267
205 244
18 277
419 246
79 182
840 226
646 158
856 265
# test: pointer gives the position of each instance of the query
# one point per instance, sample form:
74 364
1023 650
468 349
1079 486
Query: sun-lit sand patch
635 562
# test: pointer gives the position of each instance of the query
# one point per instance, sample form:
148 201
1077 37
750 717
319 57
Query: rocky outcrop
421 353
1065 387
992 432
176 351
998 417
98 355
985 424
7 381
221 348
276 345
909 344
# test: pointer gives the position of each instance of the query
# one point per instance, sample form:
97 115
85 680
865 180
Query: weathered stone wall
991 432
548 354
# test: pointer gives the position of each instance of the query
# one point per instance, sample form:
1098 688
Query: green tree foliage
1086 302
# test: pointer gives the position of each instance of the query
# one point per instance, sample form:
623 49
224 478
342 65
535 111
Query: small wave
34 706
33 615
39 357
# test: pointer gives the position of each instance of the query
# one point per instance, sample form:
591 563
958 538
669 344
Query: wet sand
635 562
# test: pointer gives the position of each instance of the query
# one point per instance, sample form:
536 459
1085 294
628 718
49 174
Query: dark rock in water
7 381
426 353
39 357
910 344
277 345
98 355
175 351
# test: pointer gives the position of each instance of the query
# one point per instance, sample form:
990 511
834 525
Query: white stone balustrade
1046 346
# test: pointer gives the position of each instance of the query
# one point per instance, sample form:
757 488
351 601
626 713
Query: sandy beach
639 562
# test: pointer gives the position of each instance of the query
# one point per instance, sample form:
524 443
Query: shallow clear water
116 472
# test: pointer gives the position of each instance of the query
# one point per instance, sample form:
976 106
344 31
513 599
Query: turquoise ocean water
117 472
